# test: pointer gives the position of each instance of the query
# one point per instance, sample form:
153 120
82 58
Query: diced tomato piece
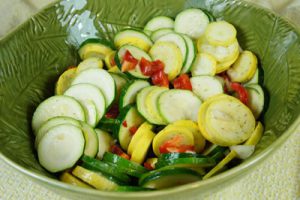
241 91
124 123
148 68
160 78
174 145
183 82
157 65
133 130
129 62
118 151
148 166
113 112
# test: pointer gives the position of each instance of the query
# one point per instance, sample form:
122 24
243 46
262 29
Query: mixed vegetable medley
174 103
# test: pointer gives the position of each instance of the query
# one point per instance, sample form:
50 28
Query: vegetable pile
171 104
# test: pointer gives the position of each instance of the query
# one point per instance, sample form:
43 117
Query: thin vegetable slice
220 33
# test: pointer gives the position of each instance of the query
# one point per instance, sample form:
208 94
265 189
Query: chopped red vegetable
124 123
113 62
133 130
129 62
241 91
148 166
113 112
148 68
117 150
183 82
174 145
160 78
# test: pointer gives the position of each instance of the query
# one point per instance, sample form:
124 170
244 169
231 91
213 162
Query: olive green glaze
33 56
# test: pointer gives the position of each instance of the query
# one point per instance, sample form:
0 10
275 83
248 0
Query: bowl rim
224 176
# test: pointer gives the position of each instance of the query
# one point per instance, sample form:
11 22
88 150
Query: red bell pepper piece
148 68
160 78
129 62
241 91
148 166
133 130
113 112
124 123
117 150
174 145
183 82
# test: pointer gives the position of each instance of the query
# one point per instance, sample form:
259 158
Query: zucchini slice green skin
130 91
122 162
107 124
191 161
128 117
158 179
129 188
105 168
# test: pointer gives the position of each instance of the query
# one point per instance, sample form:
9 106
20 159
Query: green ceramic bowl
33 56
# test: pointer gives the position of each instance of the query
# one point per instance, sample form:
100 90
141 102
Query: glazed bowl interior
34 55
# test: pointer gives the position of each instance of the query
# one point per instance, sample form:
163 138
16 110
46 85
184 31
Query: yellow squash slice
225 121
64 81
68 178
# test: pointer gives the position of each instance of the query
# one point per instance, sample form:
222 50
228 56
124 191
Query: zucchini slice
204 64
101 79
129 92
141 102
95 179
105 168
168 177
190 55
91 140
220 33
257 78
129 117
65 80
133 37
55 106
121 80
191 22
177 105
91 99
225 121
206 86
168 133
159 22
123 163
190 162
61 147
151 105
69 178
170 54
88 63
256 99
179 41
136 53
105 140
244 68
55 121
141 131
107 124
159 33
95 47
